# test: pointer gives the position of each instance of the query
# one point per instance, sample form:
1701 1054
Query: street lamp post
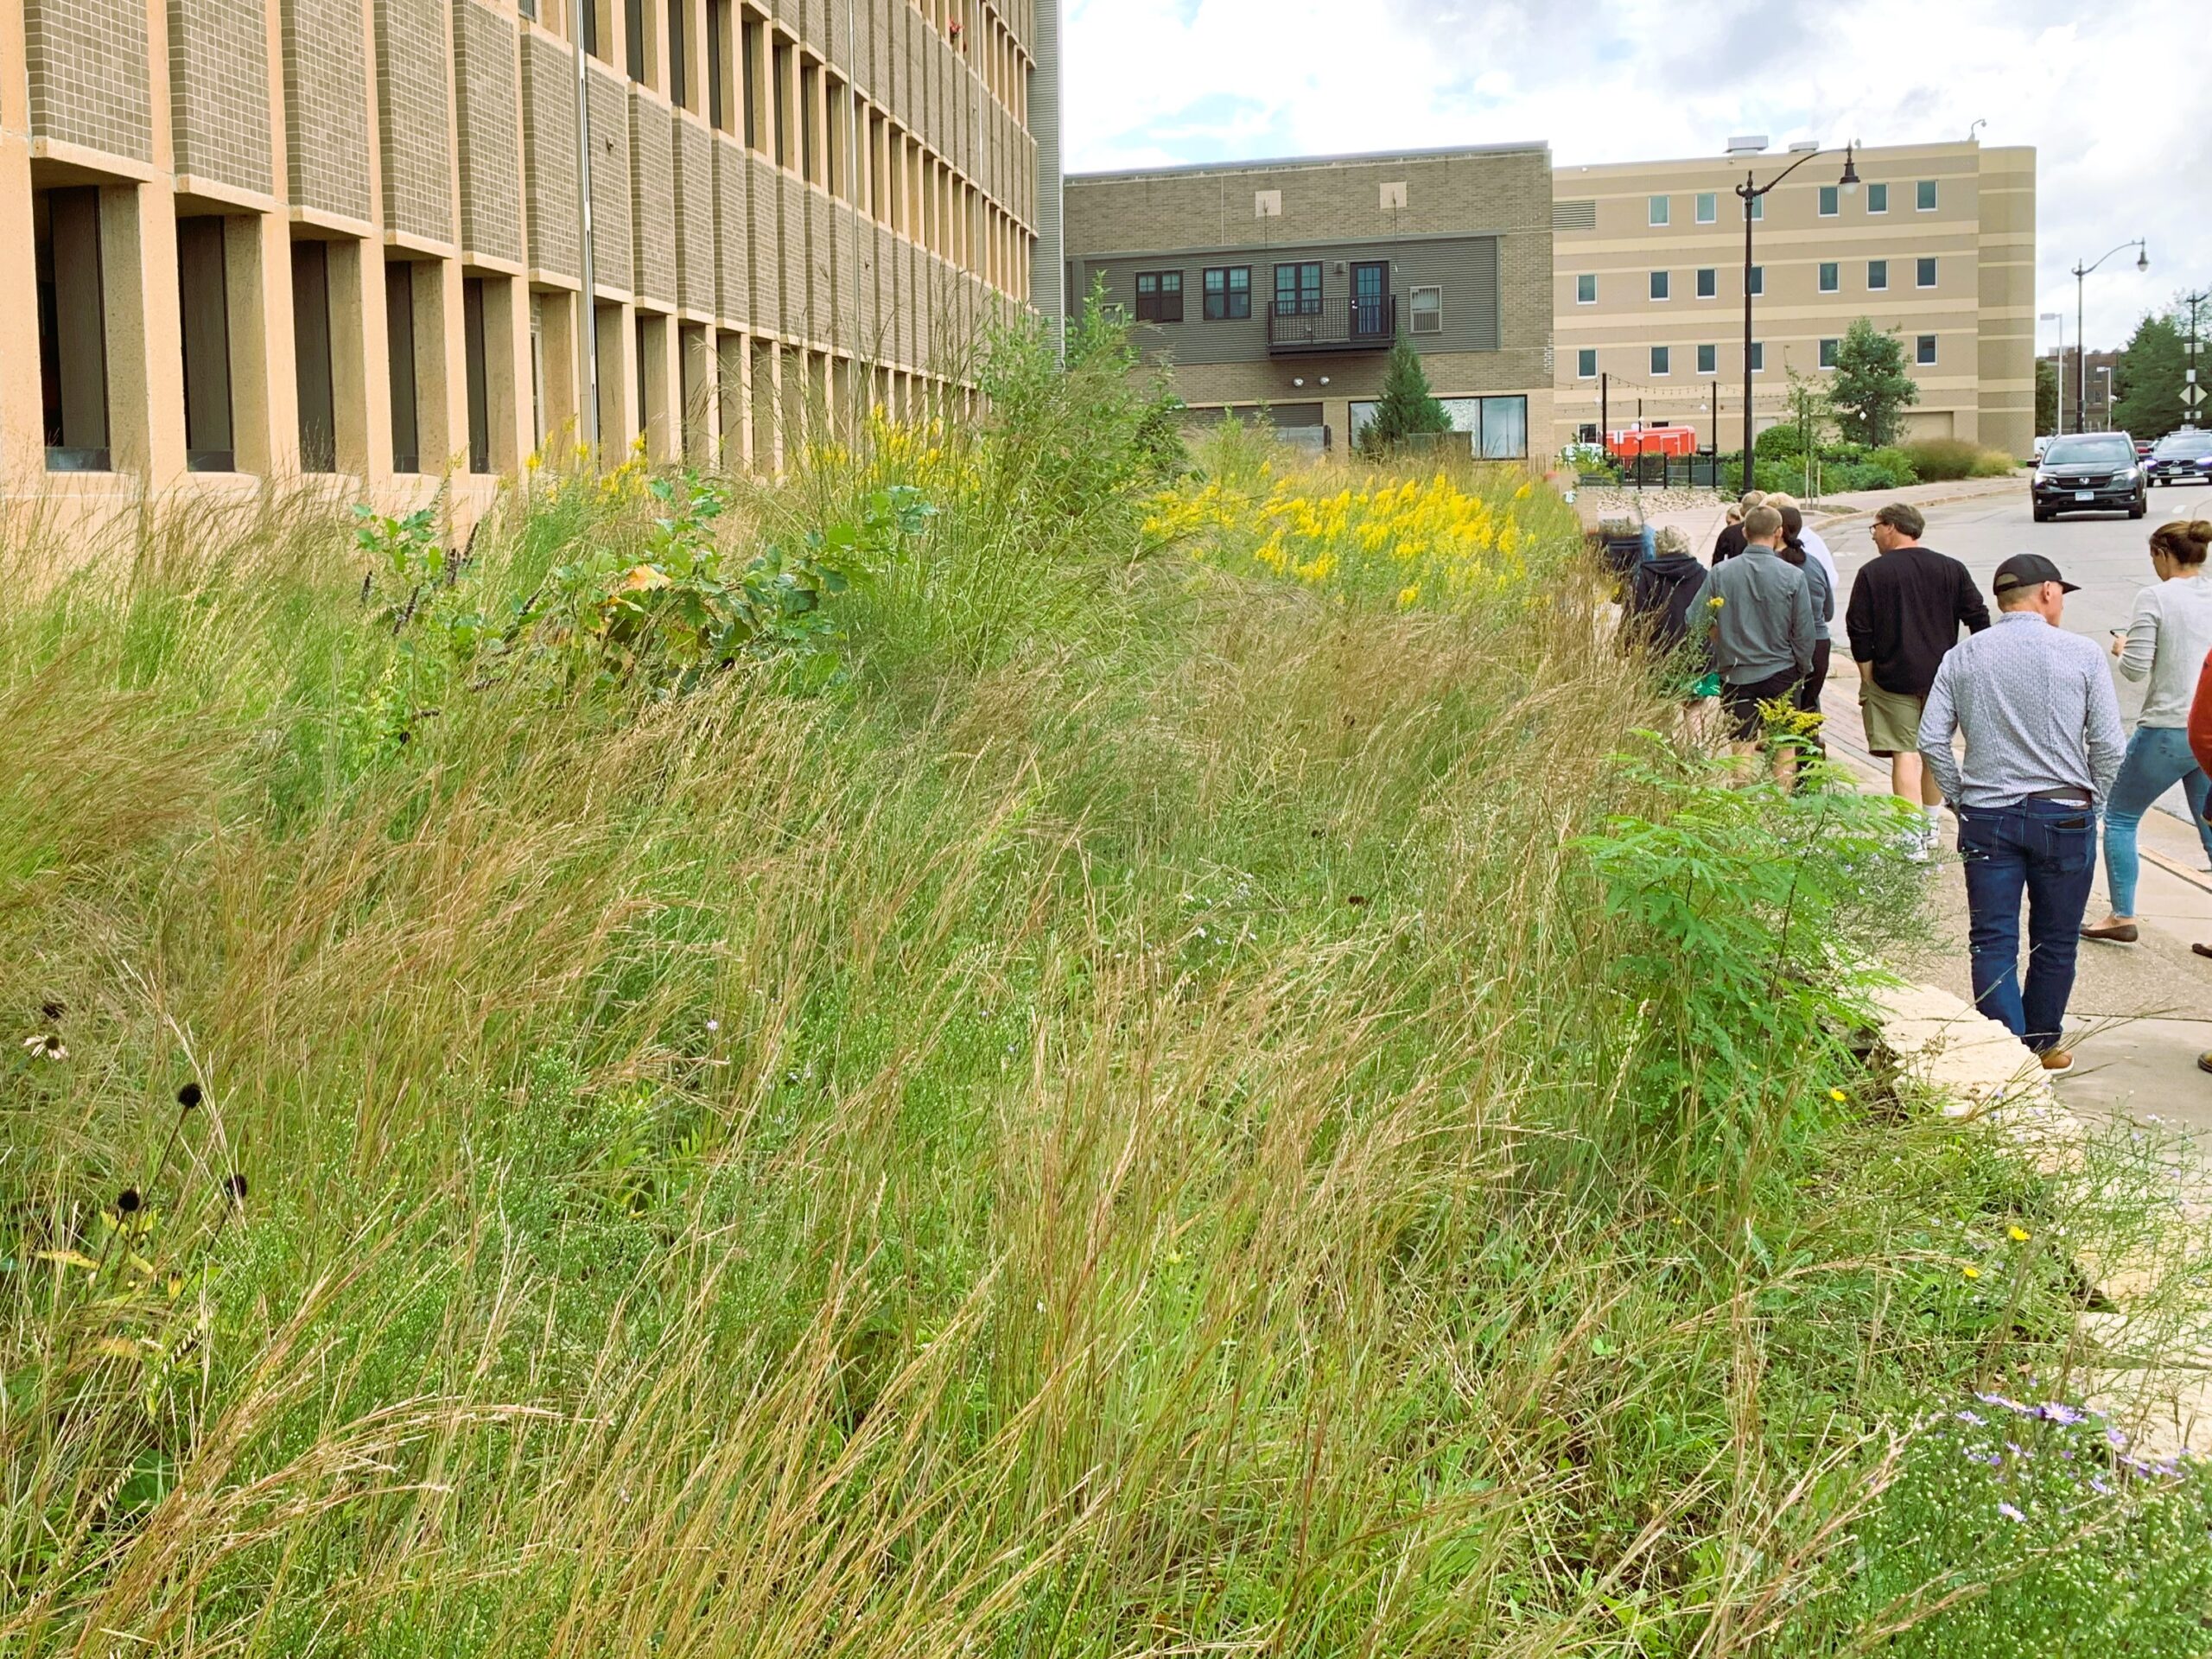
2192 394
2080 340
1751 191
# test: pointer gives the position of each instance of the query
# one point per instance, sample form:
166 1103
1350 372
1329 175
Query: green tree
2147 382
1870 386
2046 395
1408 408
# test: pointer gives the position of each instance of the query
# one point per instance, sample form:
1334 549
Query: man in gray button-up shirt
2043 746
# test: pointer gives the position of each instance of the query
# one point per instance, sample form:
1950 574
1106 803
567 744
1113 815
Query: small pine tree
2147 386
1408 408
1870 384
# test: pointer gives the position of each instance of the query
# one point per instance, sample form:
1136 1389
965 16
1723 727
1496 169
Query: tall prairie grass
1128 1117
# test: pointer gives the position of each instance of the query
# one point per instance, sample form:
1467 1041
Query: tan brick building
243 240
1280 285
1938 243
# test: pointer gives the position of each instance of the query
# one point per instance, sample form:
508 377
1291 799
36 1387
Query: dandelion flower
2017 1233
2010 1512
1837 1095
1716 602
1971 1272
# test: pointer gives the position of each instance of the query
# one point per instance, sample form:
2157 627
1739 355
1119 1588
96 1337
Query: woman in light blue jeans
2165 644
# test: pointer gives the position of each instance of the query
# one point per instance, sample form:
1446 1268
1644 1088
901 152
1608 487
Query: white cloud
2106 94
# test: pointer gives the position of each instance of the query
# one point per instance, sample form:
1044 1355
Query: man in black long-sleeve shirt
1906 610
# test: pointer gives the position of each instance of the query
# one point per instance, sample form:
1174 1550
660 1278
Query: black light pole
2080 340
1751 190
2192 393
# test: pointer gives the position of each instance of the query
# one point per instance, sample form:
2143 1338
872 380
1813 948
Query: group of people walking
2043 752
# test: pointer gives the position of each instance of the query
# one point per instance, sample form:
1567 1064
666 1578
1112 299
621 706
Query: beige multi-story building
1938 244
398 240
1281 285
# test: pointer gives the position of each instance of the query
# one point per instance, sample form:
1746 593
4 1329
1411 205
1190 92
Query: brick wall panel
219 91
414 123
696 288
491 126
326 106
764 208
791 201
549 151
652 198
613 259
88 74
733 234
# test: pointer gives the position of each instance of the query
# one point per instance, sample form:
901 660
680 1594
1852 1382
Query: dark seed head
1356 900
234 1184
53 1044
53 1009
188 1096
127 1201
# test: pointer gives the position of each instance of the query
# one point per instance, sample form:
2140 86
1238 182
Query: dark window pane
204 307
311 357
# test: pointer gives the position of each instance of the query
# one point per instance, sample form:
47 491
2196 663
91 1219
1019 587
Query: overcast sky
2111 95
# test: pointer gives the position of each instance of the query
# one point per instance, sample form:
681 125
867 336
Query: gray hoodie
1763 624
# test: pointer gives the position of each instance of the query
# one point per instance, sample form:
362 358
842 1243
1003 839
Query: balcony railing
1337 325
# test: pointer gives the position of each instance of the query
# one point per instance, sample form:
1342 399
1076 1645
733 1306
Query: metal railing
1342 324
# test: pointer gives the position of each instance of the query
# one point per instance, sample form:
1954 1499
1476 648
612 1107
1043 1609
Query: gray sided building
1280 285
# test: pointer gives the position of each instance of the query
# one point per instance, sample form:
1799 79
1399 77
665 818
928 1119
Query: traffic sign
2192 395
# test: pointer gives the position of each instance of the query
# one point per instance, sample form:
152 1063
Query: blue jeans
2048 852
2158 758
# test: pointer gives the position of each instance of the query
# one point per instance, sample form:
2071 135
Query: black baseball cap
2027 570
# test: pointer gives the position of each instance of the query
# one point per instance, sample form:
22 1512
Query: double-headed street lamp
2080 340
1751 190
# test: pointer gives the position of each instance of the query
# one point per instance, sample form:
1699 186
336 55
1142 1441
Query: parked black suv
2089 472
2184 457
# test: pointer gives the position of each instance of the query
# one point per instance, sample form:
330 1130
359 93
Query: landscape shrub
1943 460
1173 1095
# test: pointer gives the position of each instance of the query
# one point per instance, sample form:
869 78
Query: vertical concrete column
734 389
618 382
22 408
661 375
703 403
559 332
360 400
441 372
145 349
506 374
264 377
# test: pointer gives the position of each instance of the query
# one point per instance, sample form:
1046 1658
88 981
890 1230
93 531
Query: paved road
2109 554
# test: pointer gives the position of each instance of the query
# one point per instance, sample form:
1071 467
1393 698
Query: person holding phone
2164 645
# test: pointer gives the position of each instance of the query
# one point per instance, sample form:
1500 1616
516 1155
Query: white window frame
1588 354
1709 281
1413 309
1756 277
1930 342
1828 275
1830 202
1873 287
1705 353
1708 206
1660 211
1825 353
1879 191
1658 374
1663 280
1758 357
1591 278
1923 262
1930 187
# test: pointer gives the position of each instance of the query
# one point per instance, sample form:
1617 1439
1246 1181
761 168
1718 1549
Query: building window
1660 208
1298 289
633 16
1758 357
72 328
717 33
1585 363
1878 198
1659 285
748 74
1708 359
204 309
1926 189
1831 202
1759 208
1504 435
1160 296
1925 354
1708 206
809 105
1878 274
311 357
1927 273
399 354
1428 310
1831 277
1661 359
1827 353
1586 289
1586 433
1755 281
1708 282
1229 293
479 386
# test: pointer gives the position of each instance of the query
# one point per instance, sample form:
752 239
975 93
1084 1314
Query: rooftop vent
1804 146
1751 144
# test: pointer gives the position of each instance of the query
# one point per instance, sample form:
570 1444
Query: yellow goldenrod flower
2017 1233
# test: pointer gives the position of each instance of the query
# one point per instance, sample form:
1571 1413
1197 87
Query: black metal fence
1668 471
1341 324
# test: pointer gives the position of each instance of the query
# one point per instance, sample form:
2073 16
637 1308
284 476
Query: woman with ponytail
2165 644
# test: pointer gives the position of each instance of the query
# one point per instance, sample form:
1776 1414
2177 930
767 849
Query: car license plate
2085 495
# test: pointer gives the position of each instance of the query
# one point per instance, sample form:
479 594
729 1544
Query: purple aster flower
2115 1440
2010 1512
1973 1417
2054 1411
2100 1485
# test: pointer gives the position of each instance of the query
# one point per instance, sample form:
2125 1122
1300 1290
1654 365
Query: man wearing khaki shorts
1906 610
